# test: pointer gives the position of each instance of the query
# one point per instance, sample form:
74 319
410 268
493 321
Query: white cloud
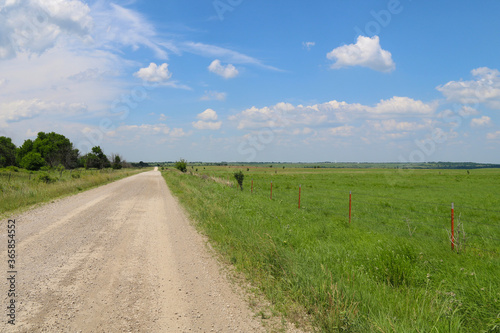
391 125
178 133
207 115
481 122
288 115
493 136
162 117
143 137
154 73
403 105
214 95
207 125
207 121
227 72
367 52
144 129
467 111
36 26
159 75
19 110
87 77
343 131
304 131
485 88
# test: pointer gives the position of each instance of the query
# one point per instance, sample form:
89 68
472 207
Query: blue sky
241 80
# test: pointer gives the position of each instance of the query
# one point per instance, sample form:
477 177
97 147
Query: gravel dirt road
119 258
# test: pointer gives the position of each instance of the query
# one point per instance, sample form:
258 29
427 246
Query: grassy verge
391 270
21 189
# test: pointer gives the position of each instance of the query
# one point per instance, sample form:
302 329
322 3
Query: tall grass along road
118 258
20 190
391 269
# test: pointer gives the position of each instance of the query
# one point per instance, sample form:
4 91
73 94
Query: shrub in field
239 178
60 168
46 178
32 161
181 165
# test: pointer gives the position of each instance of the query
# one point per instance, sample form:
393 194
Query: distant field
391 269
21 189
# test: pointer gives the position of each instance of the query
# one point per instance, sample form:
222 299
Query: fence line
401 199
355 212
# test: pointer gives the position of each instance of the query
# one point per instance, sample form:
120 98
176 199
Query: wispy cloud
212 95
484 121
308 45
227 55
118 27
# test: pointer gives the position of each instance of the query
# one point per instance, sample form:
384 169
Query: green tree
32 161
22 151
96 159
103 159
56 149
117 161
181 165
7 152
90 160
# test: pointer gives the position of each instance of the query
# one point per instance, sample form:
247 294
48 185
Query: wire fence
460 227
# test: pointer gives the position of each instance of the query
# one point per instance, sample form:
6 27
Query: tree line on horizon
53 150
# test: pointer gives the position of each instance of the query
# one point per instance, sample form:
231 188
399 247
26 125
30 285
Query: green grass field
391 270
22 189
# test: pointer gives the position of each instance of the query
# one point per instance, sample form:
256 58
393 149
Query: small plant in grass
239 178
60 168
45 178
181 165
12 168
410 230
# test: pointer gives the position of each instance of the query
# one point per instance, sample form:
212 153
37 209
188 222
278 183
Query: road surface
119 258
